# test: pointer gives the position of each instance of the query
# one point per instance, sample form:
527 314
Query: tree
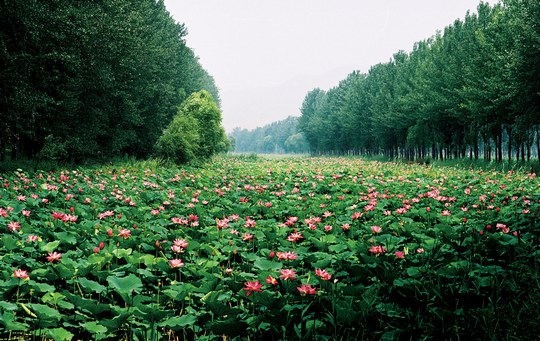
102 77
195 132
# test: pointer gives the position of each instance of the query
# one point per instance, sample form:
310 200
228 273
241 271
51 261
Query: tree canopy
94 77
195 132
470 90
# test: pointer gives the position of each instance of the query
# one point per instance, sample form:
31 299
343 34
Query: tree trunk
499 147
538 142
509 130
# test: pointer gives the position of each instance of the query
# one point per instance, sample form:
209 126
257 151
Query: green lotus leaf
179 322
125 286
91 286
94 327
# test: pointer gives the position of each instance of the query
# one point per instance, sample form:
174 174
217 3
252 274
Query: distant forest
275 138
92 78
472 90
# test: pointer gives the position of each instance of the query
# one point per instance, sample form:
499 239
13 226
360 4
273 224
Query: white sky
265 55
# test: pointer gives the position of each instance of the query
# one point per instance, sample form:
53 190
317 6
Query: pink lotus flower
291 221
401 210
22 274
177 249
105 214
176 263
502 227
250 223
289 255
306 289
399 254
32 238
125 233
14 226
181 243
376 229
294 237
271 280
288 274
247 236
252 287
377 249
180 221
356 215
223 223
69 218
54 257
234 217
323 274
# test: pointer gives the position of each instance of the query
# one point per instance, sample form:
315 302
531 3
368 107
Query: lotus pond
269 249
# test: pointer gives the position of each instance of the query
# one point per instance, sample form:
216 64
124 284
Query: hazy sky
265 55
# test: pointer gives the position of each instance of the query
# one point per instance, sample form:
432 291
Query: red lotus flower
252 287
306 289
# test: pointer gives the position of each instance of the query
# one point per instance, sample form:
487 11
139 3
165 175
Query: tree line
92 78
274 138
472 90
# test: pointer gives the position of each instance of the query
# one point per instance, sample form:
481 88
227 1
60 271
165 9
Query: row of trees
275 138
91 78
472 90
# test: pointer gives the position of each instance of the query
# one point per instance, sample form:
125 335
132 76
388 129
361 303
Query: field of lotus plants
269 249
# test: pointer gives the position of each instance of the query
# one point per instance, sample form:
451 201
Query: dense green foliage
270 249
195 132
91 78
275 138
472 90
